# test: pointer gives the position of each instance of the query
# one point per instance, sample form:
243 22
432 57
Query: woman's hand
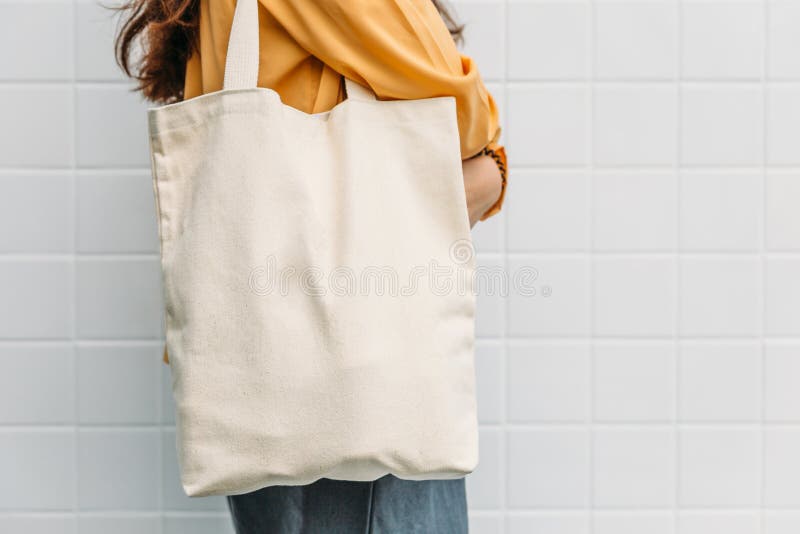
482 183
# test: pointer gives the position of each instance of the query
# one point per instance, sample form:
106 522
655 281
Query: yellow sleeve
165 358
401 49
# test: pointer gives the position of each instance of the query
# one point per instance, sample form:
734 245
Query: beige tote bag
318 284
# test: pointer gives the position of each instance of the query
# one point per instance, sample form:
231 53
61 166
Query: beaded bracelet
498 160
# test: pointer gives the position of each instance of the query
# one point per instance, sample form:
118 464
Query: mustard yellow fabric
400 48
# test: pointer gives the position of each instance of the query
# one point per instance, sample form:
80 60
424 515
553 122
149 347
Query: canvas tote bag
317 276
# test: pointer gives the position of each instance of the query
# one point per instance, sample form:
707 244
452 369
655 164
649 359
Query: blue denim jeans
388 505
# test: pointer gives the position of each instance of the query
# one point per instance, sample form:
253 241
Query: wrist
498 155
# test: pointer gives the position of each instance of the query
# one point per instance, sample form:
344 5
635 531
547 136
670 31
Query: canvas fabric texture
290 360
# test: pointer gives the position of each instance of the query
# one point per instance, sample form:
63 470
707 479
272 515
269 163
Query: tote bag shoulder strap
241 62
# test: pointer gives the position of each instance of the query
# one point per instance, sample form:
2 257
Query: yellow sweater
400 48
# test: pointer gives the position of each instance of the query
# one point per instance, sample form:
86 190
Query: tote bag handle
241 61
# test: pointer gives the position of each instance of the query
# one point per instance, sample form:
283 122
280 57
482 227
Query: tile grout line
554 168
591 54
504 439
676 430
763 263
74 264
562 424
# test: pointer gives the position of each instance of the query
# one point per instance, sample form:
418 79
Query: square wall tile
634 210
636 40
108 457
635 125
782 469
722 39
116 213
784 39
548 210
119 298
783 124
48 58
783 217
720 467
37 298
721 210
782 296
634 381
782 368
37 384
549 296
38 470
548 40
94 54
634 468
720 381
709 306
119 142
634 296
548 468
547 126
40 210
721 125
548 382
42 121
118 384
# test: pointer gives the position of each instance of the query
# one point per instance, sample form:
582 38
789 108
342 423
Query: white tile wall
722 40
651 385
118 469
634 468
39 471
635 40
634 382
634 125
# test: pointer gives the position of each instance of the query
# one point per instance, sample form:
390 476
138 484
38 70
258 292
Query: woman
401 49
